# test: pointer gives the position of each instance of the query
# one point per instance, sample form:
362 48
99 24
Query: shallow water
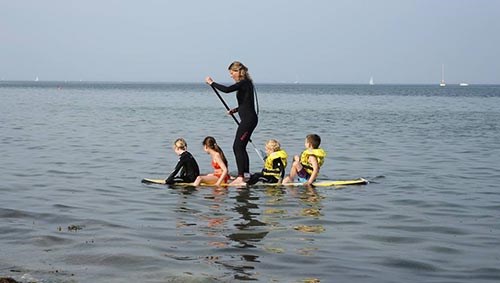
72 208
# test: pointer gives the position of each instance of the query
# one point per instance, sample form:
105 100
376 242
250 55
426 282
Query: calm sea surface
73 209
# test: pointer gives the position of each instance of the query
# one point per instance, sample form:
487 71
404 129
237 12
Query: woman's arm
226 89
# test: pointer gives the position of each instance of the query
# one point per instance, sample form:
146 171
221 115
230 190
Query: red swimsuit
218 171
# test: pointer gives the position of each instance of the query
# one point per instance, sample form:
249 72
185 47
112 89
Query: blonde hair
242 69
273 145
180 143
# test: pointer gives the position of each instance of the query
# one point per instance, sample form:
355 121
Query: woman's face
235 75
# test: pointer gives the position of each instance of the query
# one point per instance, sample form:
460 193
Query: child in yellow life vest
274 165
306 167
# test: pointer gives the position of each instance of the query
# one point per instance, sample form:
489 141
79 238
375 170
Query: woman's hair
180 143
273 145
239 67
210 142
314 140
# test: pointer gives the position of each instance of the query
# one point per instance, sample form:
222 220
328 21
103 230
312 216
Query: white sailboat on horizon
371 81
442 83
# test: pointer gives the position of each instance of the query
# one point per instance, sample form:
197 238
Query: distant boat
36 79
442 83
371 81
463 84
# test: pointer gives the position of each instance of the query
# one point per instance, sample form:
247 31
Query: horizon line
261 83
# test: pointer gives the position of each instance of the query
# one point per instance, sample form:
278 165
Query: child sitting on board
274 165
219 163
187 165
306 167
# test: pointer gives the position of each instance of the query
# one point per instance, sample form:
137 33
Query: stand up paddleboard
325 183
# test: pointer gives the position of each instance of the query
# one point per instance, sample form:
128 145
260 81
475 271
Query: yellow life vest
304 158
269 170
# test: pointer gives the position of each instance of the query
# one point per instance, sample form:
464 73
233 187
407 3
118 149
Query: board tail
153 181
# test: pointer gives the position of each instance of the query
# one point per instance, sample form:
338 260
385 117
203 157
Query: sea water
73 208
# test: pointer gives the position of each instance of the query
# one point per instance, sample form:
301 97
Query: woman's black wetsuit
188 167
249 119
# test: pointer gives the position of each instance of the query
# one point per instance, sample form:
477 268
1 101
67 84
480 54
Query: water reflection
234 223
247 227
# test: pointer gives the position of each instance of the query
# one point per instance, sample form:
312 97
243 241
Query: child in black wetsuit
187 165
246 109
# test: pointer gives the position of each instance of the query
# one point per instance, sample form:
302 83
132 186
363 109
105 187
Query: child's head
272 146
180 145
210 143
312 141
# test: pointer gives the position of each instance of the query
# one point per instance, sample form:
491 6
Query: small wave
410 264
428 229
60 172
48 241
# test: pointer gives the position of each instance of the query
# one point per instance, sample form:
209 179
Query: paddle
236 120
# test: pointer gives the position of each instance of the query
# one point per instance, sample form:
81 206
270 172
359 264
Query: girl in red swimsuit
219 163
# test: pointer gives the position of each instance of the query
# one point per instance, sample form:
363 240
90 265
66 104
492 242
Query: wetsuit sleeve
178 167
227 89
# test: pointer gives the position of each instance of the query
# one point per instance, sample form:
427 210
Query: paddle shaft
236 120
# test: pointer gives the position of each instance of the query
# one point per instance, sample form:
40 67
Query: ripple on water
426 229
50 241
444 250
414 265
14 213
394 239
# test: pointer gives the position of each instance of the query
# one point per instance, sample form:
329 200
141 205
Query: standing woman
246 109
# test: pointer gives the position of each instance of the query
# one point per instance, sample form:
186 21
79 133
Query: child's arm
314 162
223 167
277 163
178 167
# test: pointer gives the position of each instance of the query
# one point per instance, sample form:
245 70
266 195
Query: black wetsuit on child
188 168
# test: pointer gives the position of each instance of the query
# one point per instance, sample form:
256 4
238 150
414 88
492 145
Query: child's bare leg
198 180
286 180
207 179
296 166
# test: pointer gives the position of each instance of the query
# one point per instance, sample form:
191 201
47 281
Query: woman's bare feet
239 181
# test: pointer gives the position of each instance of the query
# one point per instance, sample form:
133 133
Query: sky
280 41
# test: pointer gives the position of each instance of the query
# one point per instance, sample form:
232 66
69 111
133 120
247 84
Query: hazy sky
314 41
